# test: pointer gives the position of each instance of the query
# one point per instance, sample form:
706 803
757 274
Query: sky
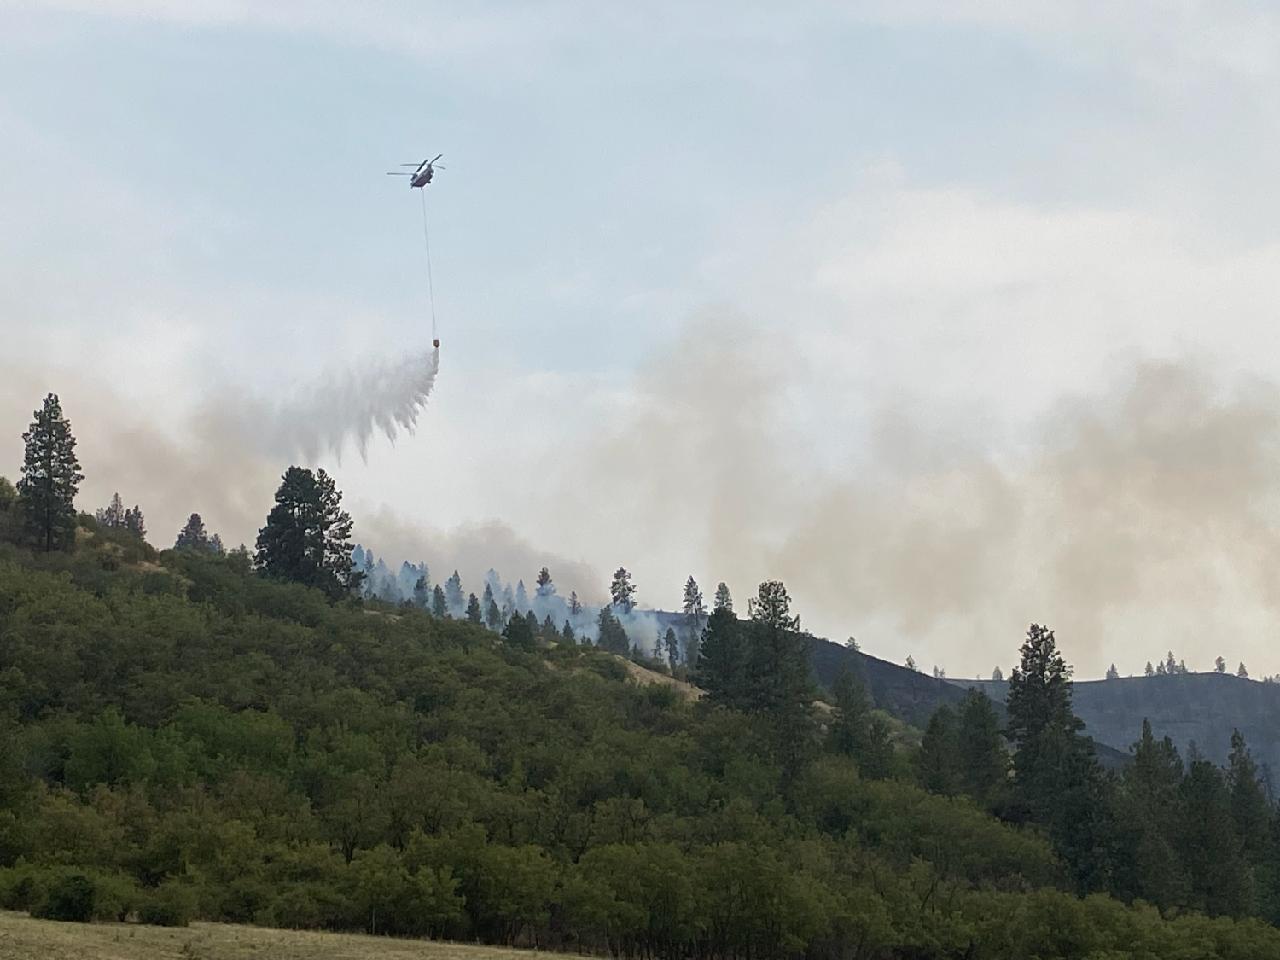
953 316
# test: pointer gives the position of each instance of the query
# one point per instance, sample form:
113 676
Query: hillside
1191 708
188 740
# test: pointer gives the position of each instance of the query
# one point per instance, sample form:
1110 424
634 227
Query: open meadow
22 937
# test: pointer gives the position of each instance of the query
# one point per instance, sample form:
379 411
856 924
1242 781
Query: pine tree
939 756
777 676
493 616
622 590
545 589
854 731
1249 808
610 634
532 619
1056 776
1170 665
566 635
1153 793
439 604
1241 672
997 675
50 479
575 605
910 663
112 515
1113 673
1208 846
519 634
983 762
673 648
721 665
695 613
454 596
522 596
134 522
193 535
549 631
1219 665
474 614
723 601
1150 671
216 547
307 537
422 593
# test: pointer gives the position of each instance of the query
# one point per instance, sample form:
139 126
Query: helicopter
422 174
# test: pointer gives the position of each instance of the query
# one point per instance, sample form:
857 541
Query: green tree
1153 803
544 588
439 605
454 595
723 600
519 634
112 515
1057 781
672 646
135 523
307 537
1209 848
50 479
492 615
855 731
1250 811
567 636
193 535
610 633
939 759
721 665
474 613
777 675
983 760
575 605
422 593
695 614
622 590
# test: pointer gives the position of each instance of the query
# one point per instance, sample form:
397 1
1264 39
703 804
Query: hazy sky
952 315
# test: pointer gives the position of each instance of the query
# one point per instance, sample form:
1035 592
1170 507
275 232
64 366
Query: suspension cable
431 291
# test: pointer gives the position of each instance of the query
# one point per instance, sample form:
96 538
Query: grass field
23 937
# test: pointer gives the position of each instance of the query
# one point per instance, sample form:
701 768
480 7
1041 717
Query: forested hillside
246 737
192 738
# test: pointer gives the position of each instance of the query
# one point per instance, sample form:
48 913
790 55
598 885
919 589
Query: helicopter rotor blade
435 158
397 173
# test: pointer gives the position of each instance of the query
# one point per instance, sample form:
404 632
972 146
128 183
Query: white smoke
381 397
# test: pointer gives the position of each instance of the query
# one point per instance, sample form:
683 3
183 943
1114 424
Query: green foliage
172 904
223 746
307 538
50 478
69 897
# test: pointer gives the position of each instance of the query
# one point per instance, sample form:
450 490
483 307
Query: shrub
171 904
71 897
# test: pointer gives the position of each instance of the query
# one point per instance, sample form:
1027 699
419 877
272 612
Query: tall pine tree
50 479
307 537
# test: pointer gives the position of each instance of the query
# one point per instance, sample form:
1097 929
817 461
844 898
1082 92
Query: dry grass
644 676
22 937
